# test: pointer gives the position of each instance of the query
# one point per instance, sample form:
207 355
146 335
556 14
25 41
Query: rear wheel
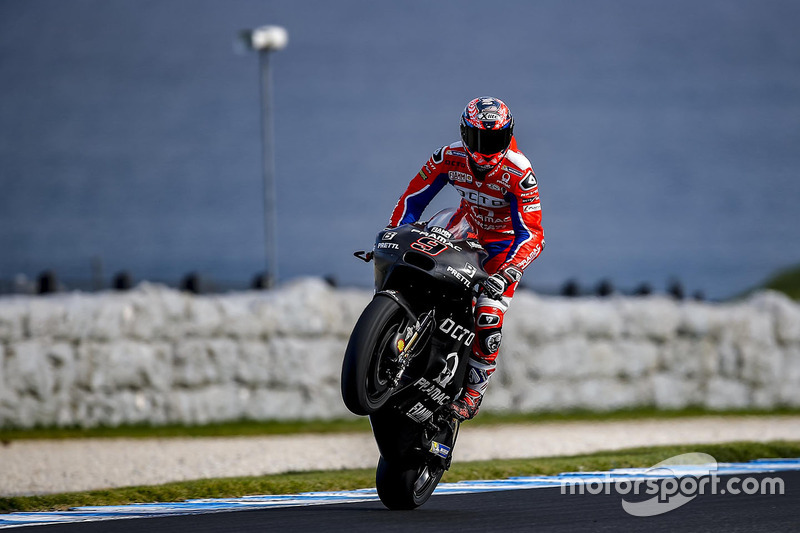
404 486
367 368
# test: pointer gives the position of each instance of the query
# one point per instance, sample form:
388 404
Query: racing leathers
503 206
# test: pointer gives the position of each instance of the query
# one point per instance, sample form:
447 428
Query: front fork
406 341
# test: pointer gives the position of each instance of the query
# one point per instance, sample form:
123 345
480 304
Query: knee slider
489 341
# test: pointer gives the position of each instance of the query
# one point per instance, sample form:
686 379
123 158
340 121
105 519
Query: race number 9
428 245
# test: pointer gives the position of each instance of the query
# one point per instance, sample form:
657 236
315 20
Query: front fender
401 301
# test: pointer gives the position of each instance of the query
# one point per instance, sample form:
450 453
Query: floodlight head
269 38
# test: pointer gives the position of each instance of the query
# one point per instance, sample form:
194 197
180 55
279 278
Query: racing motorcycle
408 352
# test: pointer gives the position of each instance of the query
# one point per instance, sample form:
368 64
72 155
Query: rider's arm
526 218
425 185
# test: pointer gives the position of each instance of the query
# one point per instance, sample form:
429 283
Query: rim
425 482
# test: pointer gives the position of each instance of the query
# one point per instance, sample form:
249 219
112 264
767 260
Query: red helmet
486 130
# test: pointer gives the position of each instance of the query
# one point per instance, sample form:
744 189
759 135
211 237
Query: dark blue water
665 135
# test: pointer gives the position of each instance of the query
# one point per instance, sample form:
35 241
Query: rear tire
405 486
365 383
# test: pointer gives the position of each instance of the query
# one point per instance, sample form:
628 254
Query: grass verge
255 428
293 483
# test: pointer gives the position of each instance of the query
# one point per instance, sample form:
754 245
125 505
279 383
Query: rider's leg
488 334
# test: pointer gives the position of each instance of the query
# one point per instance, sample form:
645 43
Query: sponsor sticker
470 270
459 176
440 449
531 208
528 182
456 331
458 275
419 412
513 171
486 320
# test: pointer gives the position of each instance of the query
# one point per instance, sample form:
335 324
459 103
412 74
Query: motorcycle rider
500 198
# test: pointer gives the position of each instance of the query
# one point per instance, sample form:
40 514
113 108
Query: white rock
278 404
225 359
28 371
761 364
632 358
127 365
545 395
61 357
253 364
785 311
724 393
204 405
674 391
536 319
697 320
192 364
158 311
239 316
748 324
605 394
46 317
597 318
305 363
653 317
729 358
95 409
303 308
498 398
765 398
690 358
205 318
109 317
562 359
13 314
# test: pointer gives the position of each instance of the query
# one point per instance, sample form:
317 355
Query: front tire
365 381
405 486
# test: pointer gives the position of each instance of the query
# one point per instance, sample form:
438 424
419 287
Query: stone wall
160 356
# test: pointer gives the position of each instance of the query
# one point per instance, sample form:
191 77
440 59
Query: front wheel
366 370
405 486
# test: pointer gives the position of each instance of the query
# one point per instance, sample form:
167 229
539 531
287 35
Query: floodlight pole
265 40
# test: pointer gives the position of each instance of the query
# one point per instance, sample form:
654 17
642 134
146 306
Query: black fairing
427 270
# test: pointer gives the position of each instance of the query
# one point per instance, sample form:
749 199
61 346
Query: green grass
293 483
254 428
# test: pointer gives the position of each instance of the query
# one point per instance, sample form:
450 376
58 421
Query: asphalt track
516 510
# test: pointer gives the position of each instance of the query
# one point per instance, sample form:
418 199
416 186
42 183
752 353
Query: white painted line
201 506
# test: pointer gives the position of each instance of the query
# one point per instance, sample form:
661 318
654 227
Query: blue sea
665 135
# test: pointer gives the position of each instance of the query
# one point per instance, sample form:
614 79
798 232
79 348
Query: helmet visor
486 141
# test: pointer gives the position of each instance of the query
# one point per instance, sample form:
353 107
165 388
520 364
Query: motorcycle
407 355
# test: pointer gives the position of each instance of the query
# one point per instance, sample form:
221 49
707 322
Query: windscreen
454 222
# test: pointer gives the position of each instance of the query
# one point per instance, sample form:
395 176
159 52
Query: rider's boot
478 374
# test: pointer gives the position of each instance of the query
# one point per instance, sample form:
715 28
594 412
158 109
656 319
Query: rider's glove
497 283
